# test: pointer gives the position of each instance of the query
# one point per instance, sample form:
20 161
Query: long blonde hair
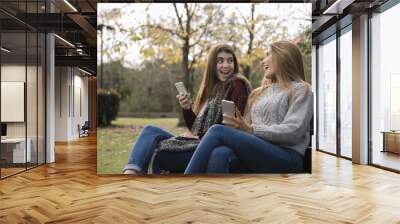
210 77
288 62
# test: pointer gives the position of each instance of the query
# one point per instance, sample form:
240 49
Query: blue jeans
144 147
257 155
174 162
223 160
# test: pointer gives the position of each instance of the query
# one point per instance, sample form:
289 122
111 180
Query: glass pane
22 63
41 99
31 97
385 86
346 94
327 96
13 87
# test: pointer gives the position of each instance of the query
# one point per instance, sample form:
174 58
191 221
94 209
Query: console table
391 141
13 150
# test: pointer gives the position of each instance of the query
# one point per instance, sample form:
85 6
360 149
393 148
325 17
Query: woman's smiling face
268 65
225 65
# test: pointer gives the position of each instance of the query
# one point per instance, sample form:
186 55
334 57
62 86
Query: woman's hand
237 122
184 101
189 135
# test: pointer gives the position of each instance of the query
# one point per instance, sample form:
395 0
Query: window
327 95
22 67
346 92
385 85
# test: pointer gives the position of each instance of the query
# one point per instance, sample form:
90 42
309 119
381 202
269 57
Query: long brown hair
288 62
210 77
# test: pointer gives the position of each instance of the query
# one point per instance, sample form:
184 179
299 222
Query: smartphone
181 88
228 107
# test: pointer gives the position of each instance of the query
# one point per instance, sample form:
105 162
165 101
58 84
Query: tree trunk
185 58
246 71
251 30
186 74
185 67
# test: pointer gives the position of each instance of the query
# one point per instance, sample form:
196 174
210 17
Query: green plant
107 106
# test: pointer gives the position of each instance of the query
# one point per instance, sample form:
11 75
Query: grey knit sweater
277 122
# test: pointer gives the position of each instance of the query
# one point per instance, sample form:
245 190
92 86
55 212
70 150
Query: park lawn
114 143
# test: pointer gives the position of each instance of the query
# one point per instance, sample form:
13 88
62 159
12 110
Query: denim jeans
144 147
223 160
257 155
173 162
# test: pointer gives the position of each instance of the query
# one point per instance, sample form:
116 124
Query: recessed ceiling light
338 6
5 50
64 40
70 5
86 72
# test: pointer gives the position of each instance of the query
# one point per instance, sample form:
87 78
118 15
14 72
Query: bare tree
187 31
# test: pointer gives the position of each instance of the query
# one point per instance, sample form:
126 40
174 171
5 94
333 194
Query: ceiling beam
81 61
337 7
321 23
86 26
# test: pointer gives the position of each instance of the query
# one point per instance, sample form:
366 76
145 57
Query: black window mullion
338 73
37 91
45 87
26 86
369 78
317 97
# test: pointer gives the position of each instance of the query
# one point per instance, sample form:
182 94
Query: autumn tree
173 45
249 35
183 38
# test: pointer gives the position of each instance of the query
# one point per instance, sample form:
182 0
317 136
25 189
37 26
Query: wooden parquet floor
69 191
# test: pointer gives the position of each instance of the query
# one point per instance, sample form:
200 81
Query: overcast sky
160 10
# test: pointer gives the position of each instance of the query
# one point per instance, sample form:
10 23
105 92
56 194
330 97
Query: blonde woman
273 136
156 150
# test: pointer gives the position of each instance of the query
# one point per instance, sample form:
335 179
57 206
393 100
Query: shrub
107 106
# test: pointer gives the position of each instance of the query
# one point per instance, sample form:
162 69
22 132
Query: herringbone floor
70 191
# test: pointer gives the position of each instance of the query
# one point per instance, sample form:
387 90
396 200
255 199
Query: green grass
114 143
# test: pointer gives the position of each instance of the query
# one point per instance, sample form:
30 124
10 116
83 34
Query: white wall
14 73
71 94
33 126
61 103
12 101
